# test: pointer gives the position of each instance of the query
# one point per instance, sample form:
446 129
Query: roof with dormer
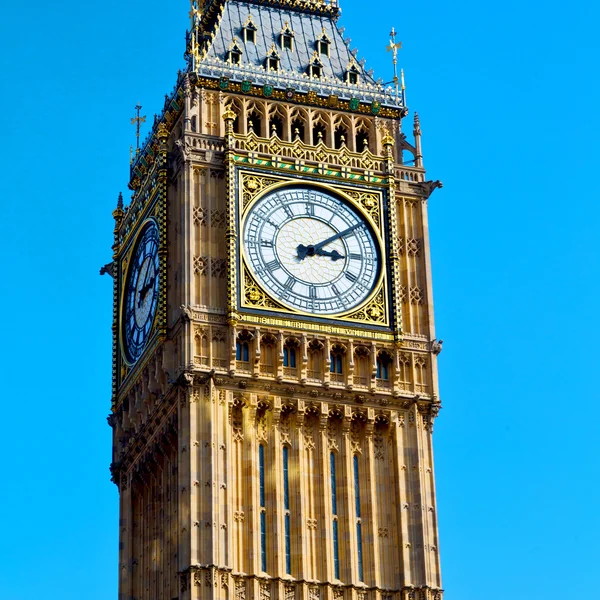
221 26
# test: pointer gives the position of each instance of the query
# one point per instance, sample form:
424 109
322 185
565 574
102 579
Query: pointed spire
417 134
120 201
417 127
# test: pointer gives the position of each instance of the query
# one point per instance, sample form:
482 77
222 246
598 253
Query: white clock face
311 250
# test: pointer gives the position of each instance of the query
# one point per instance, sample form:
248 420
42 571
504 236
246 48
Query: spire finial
120 201
417 126
393 47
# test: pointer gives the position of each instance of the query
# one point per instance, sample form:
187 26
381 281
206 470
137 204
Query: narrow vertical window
286 507
263 516
359 548
286 357
336 552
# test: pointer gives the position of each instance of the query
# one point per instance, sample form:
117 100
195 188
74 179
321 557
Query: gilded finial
393 47
137 121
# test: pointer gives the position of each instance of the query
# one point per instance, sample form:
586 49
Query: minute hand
336 236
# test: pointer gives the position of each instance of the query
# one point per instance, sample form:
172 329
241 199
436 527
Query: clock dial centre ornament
319 269
311 250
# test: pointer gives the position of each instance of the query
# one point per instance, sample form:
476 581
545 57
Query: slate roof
294 64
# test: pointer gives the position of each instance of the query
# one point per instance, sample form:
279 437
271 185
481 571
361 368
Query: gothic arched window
362 367
384 363
336 367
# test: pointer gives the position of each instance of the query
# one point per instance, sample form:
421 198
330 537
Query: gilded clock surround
189 416
254 186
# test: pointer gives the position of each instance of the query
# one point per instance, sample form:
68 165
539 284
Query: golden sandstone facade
273 404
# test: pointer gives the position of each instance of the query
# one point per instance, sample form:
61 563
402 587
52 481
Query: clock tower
274 355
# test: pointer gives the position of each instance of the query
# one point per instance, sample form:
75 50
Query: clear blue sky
507 95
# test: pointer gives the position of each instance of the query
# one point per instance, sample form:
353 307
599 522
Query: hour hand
334 254
144 291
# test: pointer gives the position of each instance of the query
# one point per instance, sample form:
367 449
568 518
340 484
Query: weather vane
394 47
137 120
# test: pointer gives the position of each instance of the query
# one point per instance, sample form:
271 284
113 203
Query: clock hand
336 236
335 255
304 251
144 291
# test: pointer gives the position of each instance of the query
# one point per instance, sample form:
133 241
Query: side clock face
311 250
141 292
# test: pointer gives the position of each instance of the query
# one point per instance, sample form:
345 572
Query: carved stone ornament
240 589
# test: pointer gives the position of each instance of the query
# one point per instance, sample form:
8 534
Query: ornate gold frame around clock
368 202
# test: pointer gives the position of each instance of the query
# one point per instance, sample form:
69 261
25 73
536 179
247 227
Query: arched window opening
340 137
315 67
362 141
336 367
202 350
334 512
263 508
268 354
219 351
362 371
323 43
384 363
272 60
254 122
352 74
193 124
249 31
315 360
286 510
276 126
286 38
234 54
359 544
291 352
242 351
298 129
319 132
289 357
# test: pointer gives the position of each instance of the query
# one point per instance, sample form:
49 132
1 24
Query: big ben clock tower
274 354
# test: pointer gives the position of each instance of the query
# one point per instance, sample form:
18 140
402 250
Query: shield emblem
354 103
312 96
289 94
224 83
375 107
267 90
246 85
332 101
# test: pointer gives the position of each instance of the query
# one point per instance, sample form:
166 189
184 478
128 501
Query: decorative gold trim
254 296
252 185
374 312
300 98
